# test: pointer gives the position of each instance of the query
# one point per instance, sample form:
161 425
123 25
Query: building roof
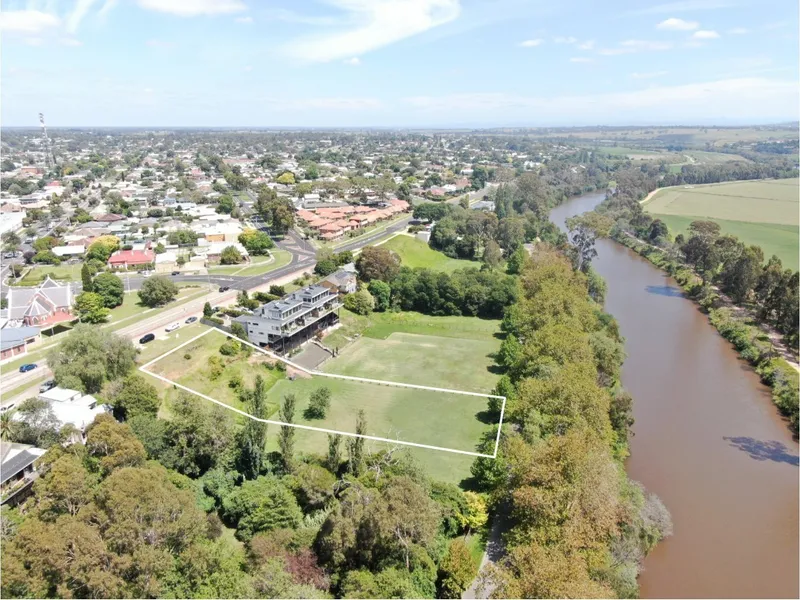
132 257
42 299
16 458
11 337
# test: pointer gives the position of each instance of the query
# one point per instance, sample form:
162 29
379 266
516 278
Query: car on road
191 320
224 288
172 327
176 273
7 407
9 255
27 367
147 338
47 385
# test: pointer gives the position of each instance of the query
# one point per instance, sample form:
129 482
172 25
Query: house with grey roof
14 341
41 306
17 471
294 319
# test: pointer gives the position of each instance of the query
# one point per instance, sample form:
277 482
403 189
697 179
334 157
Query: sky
398 63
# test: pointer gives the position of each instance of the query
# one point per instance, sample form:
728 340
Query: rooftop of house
16 457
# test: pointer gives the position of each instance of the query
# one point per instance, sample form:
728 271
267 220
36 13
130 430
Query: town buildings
42 306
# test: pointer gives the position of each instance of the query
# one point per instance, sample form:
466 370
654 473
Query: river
708 440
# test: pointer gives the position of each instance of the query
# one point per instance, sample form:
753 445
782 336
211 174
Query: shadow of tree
771 450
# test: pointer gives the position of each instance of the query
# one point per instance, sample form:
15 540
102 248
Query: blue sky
398 62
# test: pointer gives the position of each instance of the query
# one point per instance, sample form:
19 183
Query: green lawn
781 240
369 230
416 253
257 266
38 273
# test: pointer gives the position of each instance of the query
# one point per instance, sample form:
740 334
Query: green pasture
415 253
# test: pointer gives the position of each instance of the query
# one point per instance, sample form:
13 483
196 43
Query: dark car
224 288
28 367
47 385
176 273
191 320
147 338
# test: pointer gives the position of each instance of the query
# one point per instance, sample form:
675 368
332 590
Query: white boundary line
144 367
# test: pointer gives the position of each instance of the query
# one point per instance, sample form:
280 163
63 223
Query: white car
172 327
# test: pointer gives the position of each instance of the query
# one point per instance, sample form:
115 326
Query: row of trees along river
708 439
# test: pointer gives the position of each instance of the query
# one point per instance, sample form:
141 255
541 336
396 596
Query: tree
207 310
474 515
319 403
230 256
103 247
225 204
492 255
254 434
90 308
262 504
110 288
583 240
91 356
157 291
286 434
658 229
381 293
456 570
286 178
134 396
257 242
36 424
86 277
360 302
334 459
238 330
376 262
113 444
517 260
355 446
11 241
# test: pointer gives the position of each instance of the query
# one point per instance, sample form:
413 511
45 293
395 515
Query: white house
73 407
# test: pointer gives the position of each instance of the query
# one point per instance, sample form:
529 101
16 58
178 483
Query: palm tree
8 426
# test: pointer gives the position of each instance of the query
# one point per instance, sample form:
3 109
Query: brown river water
708 440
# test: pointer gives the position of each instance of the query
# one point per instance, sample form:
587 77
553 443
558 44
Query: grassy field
764 213
781 240
257 266
38 273
416 253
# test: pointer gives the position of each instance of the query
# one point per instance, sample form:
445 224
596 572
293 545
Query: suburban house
333 222
286 323
17 471
74 408
342 281
42 306
221 232
213 251
69 251
14 341
132 259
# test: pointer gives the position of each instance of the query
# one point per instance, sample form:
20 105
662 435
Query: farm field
416 253
764 213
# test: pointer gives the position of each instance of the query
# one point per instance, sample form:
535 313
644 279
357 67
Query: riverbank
708 439
758 344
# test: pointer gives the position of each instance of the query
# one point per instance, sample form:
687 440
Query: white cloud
650 75
531 43
565 40
634 46
245 20
70 42
78 13
193 8
27 21
750 99
587 45
738 31
34 41
685 6
705 34
355 61
674 24
376 23
581 59
323 103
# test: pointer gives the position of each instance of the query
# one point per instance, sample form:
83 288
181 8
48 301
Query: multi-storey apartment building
295 318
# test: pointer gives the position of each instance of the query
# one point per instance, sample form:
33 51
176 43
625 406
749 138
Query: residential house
17 471
294 319
69 251
221 232
341 281
14 341
72 407
42 306
131 259
213 251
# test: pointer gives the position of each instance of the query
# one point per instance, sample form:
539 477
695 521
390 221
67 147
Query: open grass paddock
415 253
764 213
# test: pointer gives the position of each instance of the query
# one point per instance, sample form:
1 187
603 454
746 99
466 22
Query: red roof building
123 259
